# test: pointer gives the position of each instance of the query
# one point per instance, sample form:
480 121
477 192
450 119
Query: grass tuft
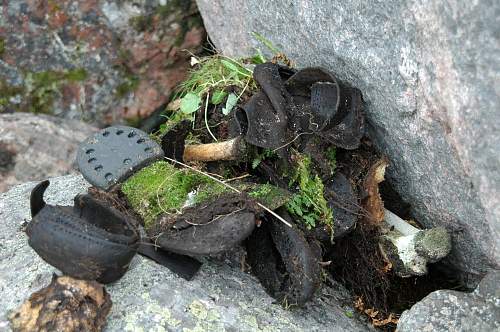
215 74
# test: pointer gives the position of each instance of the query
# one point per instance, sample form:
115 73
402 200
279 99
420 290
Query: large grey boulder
36 147
429 73
150 297
447 310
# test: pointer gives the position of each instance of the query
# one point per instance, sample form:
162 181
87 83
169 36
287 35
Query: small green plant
331 156
266 42
213 75
309 203
231 101
266 153
171 120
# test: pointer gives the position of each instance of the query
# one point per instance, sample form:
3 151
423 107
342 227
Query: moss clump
162 188
39 91
2 46
130 84
309 204
43 87
172 120
269 195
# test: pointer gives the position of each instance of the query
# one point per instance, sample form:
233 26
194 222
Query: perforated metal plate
113 154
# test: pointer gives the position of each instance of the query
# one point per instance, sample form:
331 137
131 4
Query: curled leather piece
348 132
263 119
216 226
87 241
343 201
284 262
310 101
316 94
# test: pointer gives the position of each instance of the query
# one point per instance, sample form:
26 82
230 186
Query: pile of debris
282 167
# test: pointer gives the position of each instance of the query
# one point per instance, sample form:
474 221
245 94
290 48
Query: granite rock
428 71
99 61
36 147
151 298
448 310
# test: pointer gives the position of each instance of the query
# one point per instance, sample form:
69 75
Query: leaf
190 103
229 65
218 97
236 68
266 42
258 58
256 162
231 101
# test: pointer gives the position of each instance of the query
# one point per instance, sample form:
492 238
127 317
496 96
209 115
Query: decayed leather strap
91 240
283 261
77 242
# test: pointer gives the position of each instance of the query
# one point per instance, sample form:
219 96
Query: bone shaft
399 224
228 150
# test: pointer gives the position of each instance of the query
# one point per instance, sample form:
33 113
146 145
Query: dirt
357 261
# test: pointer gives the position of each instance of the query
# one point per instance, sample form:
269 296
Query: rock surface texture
150 297
37 147
428 71
447 310
100 61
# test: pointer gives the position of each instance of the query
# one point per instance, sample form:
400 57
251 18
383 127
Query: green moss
39 91
162 188
309 204
130 84
269 195
6 93
76 75
172 120
331 156
141 23
2 46
207 191
259 157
